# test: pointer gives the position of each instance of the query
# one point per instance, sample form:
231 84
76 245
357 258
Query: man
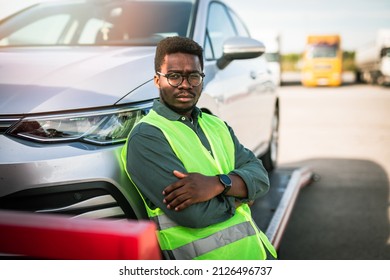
195 177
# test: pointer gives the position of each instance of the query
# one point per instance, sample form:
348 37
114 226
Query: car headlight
99 127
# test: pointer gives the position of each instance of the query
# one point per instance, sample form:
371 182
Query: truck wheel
380 80
358 77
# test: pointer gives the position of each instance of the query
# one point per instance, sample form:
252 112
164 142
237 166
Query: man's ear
156 80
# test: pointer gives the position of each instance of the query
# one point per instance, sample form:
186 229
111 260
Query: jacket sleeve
251 170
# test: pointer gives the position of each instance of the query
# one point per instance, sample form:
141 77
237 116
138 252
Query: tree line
291 62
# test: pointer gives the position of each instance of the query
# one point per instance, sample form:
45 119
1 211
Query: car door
239 93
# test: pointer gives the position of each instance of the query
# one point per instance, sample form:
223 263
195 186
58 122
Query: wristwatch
226 182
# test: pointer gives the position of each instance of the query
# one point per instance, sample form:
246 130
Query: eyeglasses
176 79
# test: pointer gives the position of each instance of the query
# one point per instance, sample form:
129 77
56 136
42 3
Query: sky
356 21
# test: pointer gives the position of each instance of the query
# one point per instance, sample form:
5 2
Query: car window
49 29
91 29
208 50
98 23
240 26
219 28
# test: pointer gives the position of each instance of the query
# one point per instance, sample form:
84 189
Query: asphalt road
343 135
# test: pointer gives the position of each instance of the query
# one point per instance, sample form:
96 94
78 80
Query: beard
169 102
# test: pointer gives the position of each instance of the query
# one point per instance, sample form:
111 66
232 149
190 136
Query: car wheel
270 158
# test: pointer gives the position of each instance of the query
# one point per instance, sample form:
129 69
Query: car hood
36 80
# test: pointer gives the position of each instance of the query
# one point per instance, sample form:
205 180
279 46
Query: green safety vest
236 238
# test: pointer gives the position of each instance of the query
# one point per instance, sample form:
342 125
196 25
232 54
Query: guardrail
272 212
299 178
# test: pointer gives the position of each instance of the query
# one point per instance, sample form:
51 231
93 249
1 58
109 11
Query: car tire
270 158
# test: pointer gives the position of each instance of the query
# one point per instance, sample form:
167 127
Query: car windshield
323 51
98 22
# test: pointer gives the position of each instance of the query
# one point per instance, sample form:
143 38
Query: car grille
95 200
6 122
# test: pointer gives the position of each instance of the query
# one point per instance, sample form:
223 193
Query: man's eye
195 76
174 76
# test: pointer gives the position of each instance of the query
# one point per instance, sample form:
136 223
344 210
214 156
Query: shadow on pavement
291 83
343 215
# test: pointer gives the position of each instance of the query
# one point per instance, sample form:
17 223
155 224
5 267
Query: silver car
75 76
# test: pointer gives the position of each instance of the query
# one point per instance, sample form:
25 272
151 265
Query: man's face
183 98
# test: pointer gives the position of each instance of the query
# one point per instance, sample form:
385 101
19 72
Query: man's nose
185 83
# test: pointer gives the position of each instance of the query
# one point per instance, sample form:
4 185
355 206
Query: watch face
225 179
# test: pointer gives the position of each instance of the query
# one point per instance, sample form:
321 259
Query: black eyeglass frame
182 76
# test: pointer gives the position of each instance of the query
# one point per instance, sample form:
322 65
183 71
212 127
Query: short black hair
176 44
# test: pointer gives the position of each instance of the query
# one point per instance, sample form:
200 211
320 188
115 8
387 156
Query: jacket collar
166 112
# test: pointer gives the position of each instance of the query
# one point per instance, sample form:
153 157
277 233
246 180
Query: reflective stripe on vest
204 245
235 238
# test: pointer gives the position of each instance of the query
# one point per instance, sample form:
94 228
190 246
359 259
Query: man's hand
191 188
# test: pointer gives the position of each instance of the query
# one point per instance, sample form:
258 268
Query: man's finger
179 174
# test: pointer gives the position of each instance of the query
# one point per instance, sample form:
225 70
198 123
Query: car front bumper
76 179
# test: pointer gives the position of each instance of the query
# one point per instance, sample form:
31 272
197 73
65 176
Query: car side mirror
239 48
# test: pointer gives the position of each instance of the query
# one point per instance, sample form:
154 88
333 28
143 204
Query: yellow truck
322 61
